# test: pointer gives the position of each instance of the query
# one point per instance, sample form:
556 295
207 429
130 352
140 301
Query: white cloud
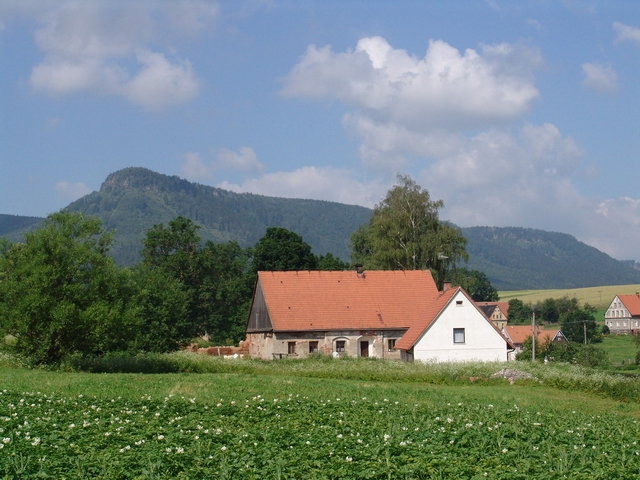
532 22
103 47
445 89
194 168
626 33
337 185
245 160
72 191
600 78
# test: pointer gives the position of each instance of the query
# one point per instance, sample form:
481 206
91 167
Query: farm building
517 334
367 314
623 314
497 312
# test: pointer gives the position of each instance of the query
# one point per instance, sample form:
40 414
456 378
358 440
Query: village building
623 314
518 334
497 312
367 314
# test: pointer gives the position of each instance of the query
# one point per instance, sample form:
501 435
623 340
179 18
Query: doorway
364 348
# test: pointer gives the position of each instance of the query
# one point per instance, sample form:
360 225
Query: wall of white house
618 318
481 341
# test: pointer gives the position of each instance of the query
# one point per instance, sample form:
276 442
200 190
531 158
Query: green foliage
60 292
580 325
405 233
519 312
475 284
577 353
551 310
282 250
330 263
605 330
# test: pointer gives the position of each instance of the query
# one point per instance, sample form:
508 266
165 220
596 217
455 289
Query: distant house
623 314
517 334
366 314
497 312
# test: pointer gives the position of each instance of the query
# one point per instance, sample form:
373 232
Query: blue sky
514 113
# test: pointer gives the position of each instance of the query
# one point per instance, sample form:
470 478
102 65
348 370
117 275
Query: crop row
260 436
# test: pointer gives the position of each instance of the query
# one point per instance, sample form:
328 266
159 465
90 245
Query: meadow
318 418
599 297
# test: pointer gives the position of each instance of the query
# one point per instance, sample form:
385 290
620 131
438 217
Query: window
391 344
458 303
291 348
458 335
340 346
313 347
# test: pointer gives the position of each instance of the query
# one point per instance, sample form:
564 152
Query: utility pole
584 324
533 336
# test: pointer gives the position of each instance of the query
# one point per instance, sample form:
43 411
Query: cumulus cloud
600 78
194 168
626 33
326 183
103 47
72 191
244 160
445 89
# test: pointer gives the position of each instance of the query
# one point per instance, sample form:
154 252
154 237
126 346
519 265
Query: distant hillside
134 199
524 258
10 224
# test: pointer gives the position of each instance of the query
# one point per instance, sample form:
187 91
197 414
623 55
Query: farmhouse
623 314
517 334
367 314
497 312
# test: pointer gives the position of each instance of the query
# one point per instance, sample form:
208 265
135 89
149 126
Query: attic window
458 303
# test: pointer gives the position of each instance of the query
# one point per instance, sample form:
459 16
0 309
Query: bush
605 330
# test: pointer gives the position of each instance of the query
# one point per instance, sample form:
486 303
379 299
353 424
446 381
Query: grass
619 348
599 297
316 418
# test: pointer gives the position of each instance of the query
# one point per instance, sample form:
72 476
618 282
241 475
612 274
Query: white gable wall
481 341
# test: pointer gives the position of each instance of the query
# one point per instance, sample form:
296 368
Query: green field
320 419
599 297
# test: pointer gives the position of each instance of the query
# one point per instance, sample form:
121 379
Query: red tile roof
519 333
322 300
632 303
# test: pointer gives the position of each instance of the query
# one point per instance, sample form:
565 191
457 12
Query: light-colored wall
268 346
482 341
618 318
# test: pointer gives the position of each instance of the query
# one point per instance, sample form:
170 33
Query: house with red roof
380 314
517 334
497 312
623 314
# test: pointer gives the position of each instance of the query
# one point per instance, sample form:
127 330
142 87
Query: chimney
359 269
446 285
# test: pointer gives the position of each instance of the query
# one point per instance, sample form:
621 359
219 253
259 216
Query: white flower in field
536 448
107 434
359 440
349 459
72 425
168 449
536 424
386 437
122 450
504 450
36 442
451 442
308 442
179 450
1 446
403 444
449 420
6 440
339 435
196 437
160 437
223 448
157 414
490 406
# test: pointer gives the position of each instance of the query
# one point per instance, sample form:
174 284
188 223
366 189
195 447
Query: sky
514 113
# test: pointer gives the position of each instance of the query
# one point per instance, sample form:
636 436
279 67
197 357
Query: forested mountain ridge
525 258
134 199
